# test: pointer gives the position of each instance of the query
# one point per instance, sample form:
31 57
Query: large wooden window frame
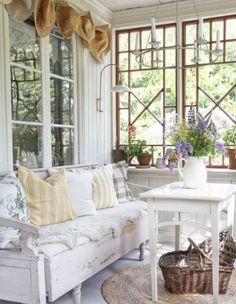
160 92
180 90
215 104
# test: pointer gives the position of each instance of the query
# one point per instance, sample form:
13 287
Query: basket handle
195 246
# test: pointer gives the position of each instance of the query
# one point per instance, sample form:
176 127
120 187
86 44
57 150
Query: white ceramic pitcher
194 172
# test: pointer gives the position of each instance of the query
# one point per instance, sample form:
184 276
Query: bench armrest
24 227
28 232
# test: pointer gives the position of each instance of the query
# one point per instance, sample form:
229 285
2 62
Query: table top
211 192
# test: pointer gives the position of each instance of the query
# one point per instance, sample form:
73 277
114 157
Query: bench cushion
57 238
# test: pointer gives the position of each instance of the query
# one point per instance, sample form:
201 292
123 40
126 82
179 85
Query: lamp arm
99 99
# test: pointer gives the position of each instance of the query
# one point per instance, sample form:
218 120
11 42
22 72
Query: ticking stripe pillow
47 199
104 195
120 181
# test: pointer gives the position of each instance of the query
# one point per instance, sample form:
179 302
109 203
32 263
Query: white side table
174 197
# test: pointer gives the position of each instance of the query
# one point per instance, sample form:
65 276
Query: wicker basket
190 271
227 248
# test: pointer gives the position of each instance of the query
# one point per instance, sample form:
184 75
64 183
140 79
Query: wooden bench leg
141 251
77 294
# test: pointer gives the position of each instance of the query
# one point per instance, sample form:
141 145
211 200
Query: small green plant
230 136
137 148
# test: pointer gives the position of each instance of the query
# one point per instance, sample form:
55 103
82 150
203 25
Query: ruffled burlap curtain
97 39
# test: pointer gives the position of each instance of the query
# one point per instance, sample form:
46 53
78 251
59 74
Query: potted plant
230 141
138 148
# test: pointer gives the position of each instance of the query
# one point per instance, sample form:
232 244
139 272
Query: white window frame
46 102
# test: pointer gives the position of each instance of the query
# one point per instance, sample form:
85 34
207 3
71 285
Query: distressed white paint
174 197
81 263
40 275
157 177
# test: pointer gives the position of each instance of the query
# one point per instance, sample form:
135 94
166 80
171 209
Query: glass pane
61 55
191 33
124 124
123 42
190 86
170 36
170 59
24 44
27 146
160 36
62 102
123 61
133 41
230 29
170 87
146 38
217 26
26 95
62 146
230 51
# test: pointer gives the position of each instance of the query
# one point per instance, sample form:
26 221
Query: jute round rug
133 286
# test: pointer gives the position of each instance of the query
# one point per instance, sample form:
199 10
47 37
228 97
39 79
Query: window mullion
76 102
179 63
46 103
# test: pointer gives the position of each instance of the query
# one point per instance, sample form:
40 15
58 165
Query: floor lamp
119 88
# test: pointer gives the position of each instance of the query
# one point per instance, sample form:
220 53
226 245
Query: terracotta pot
144 160
118 155
232 158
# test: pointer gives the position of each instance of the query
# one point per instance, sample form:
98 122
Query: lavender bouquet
195 137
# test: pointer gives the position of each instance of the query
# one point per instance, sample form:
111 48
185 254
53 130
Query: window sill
213 173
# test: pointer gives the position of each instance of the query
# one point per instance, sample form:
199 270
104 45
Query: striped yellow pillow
47 199
104 195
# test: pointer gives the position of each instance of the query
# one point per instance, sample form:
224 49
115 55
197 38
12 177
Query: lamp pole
99 99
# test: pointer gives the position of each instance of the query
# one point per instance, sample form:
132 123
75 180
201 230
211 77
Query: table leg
153 230
215 252
177 233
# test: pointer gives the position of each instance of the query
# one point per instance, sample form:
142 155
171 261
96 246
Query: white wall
95 138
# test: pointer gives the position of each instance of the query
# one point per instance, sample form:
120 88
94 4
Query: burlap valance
96 38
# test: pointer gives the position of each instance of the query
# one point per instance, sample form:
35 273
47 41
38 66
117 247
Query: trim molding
141 16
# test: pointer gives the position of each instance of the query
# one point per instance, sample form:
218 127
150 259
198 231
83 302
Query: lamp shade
120 88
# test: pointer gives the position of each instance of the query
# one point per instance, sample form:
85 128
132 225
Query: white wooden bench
28 276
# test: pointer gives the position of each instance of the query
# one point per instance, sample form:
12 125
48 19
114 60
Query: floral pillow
13 205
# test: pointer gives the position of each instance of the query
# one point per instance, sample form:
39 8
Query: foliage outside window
31 94
210 88
152 103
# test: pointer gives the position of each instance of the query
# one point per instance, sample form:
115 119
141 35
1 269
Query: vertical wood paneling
6 158
94 127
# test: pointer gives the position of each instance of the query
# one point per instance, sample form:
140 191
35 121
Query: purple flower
168 153
184 149
220 148
171 166
191 115
201 126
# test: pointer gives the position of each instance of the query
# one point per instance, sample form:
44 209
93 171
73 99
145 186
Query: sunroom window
42 97
153 104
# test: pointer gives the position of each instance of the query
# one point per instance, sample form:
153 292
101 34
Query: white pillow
104 195
80 191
